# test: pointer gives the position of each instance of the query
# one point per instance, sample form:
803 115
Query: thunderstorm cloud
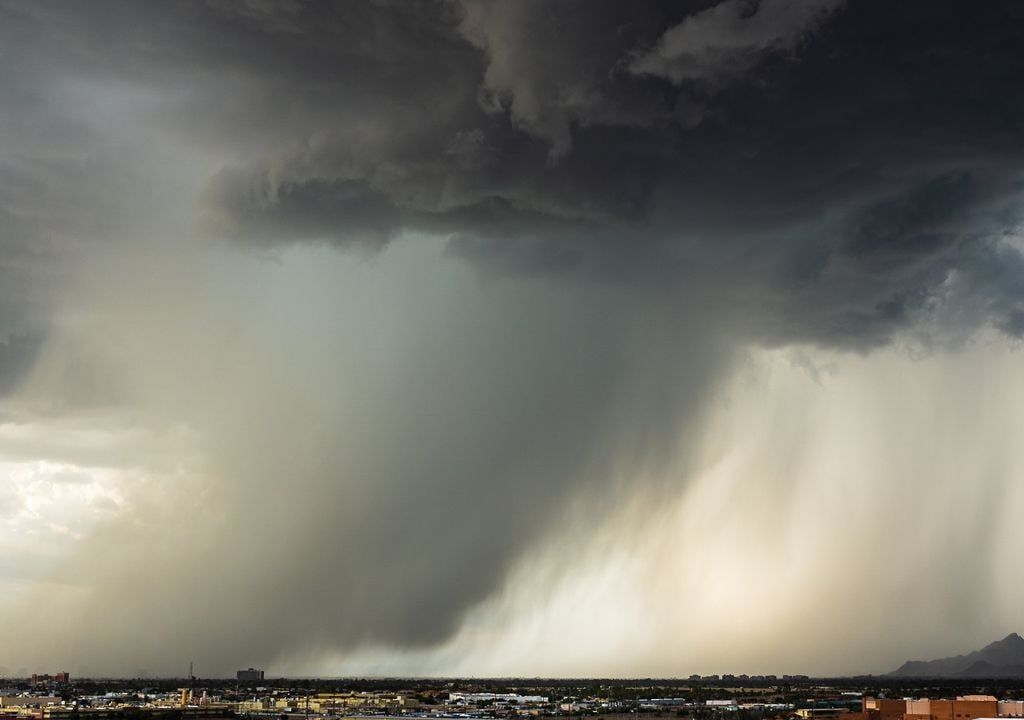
509 337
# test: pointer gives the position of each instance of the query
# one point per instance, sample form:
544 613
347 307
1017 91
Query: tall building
251 675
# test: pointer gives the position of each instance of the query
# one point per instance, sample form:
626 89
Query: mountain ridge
1002 658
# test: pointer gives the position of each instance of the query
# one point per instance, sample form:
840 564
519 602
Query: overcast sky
509 338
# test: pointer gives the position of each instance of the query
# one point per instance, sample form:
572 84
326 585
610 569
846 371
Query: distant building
251 675
1011 708
824 713
497 698
61 678
7 701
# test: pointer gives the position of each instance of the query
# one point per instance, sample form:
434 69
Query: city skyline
465 337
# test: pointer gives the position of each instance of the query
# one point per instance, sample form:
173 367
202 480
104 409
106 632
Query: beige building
964 707
821 713
1011 708
28 700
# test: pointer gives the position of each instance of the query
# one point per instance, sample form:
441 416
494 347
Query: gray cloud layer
527 135
650 186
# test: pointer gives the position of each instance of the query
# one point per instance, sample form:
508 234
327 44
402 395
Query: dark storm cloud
867 152
730 173
797 136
